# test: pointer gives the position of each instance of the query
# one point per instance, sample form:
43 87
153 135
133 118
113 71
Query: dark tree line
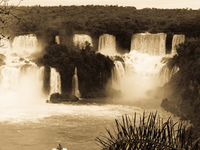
122 22
183 90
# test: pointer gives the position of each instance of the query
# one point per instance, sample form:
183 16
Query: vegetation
122 22
151 133
183 90
94 69
6 18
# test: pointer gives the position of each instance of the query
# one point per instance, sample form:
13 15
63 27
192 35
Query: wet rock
59 98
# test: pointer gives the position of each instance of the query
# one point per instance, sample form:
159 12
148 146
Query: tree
6 16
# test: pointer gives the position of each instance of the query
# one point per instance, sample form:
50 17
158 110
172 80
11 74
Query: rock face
171 107
60 98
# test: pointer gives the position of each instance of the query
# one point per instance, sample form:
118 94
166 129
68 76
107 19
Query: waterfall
152 44
177 39
138 74
118 74
55 81
4 46
75 89
107 45
25 45
57 39
21 81
174 70
164 75
80 39
21 85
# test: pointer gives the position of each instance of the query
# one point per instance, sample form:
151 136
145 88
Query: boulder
59 98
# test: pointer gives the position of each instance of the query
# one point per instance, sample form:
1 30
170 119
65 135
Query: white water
177 39
141 70
44 126
174 70
4 46
57 39
80 39
152 44
138 74
55 81
164 75
25 45
20 86
21 81
75 89
27 122
107 45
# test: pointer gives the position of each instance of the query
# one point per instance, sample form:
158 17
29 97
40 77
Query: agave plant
150 134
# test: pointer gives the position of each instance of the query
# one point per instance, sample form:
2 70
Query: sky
139 4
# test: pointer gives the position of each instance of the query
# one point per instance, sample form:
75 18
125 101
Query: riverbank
185 110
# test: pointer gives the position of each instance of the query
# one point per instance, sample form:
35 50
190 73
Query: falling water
25 45
138 74
117 74
44 126
4 46
57 39
152 44
80 39
20 86
55 82
21 80
177 39
164 75
107 45
174 70
75 89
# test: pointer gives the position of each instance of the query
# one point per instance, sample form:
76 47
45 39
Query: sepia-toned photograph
100 74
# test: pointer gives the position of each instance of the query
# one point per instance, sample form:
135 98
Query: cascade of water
107 45
152 44
4 46
80 39
118 74
164 75
174 70
21 81
25 45
75 89
57 39
21 85
139 74
8 77
177 39
55 82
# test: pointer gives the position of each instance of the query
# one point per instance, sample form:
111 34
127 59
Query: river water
75 125
28 123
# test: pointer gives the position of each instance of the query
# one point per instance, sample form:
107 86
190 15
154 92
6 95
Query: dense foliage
122 22
94 69
151 133
183 90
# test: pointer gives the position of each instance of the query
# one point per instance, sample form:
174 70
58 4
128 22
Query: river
75 125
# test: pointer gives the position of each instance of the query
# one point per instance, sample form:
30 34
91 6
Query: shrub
151 133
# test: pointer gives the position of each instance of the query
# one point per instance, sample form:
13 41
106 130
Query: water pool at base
75 125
